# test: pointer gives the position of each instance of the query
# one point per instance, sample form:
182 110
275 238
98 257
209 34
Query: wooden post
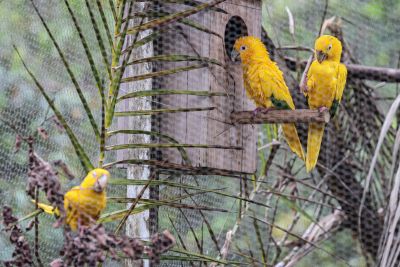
137 225
280 116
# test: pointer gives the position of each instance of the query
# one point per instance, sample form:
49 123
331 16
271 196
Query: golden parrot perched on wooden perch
264 84
326 80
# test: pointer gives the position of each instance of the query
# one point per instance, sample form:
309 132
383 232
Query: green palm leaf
83 158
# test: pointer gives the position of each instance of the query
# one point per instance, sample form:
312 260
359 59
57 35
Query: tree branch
331 223
280 116
358 71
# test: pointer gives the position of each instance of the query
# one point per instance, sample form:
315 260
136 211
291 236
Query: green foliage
84 76
105 57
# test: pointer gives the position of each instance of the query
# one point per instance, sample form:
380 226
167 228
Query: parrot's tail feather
315 133
292 138
47 208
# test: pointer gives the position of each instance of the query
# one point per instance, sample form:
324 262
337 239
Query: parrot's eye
94 174
242 48
329 47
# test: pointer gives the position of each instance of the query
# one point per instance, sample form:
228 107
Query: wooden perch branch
359 71
280 116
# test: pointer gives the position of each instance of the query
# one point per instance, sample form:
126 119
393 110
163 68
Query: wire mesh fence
149 91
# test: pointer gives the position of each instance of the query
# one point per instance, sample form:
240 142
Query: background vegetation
371 30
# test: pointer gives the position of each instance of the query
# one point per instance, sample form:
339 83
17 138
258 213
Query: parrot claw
322 109
262 110
266 110
256 111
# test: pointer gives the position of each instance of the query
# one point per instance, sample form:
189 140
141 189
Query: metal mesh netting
230 192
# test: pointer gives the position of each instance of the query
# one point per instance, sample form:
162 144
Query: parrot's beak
321 56
234 55
101 183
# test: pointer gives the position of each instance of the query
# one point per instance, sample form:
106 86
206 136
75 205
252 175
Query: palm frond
85 45
159 111
99 38
80 152
159 92
173 17
70 73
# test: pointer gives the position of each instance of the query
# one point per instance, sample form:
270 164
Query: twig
273 143
277 183
292 33
398 67
199 247
37 255
260 241
303 81
296 48
103 127
302 239
231 233
134 203
305 199
225 247
323 18
208 225
179 237
273 26
332 223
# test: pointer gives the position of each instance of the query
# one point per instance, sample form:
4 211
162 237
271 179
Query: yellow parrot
84 203
326 80
264 84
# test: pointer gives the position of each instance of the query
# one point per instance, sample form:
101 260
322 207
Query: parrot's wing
72 193
273 80
341 82
311 78
71 202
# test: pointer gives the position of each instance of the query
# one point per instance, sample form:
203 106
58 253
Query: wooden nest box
226 146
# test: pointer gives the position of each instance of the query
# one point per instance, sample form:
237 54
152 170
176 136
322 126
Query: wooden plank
249 4
199 80
212 127
137 225
180 168
173 125
250 132
220 130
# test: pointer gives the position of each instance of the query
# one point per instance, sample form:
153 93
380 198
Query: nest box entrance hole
235 28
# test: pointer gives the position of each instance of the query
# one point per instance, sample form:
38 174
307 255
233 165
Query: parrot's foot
322 109
261 109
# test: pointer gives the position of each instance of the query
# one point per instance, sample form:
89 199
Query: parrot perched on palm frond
264 84
326 80
84 203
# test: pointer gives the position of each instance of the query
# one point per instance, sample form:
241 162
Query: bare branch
313 234
359 71
280 116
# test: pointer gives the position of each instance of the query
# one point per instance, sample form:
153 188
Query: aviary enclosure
148 90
